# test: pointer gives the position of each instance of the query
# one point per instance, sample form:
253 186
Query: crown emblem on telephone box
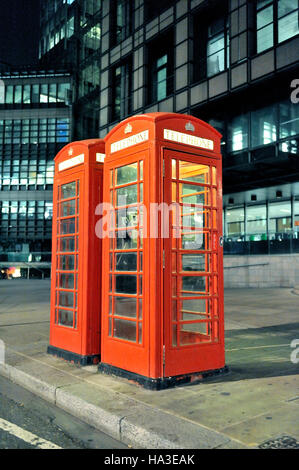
189 127
128 129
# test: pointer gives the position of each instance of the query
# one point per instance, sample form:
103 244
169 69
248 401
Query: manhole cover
283 442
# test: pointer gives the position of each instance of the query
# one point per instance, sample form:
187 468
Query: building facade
35 123
232 63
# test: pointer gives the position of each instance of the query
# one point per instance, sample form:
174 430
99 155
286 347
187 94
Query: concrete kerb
144 428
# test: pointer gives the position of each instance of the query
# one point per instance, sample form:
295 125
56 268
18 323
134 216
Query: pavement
255 405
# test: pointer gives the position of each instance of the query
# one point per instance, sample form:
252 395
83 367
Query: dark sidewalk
257 401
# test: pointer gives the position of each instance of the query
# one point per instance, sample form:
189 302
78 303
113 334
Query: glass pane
265 38
289 119
66 281
127 217
65 317
126 240
194 172
216 63
191 194
194 333
68 190
126 195
195 262
125 306
194 283
286 6
126 174
197 218
195 305
238 133
256 219
126 262
263 123
288 26
66 299
126 284
67 262
67 244
264 17
124 329
68 226
68 208
194 241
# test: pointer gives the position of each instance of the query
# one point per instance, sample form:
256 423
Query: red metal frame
76 252
143 138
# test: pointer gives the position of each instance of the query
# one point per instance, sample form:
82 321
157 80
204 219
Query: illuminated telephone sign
162 294
76 253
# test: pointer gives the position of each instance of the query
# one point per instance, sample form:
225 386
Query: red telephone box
162 296
76 253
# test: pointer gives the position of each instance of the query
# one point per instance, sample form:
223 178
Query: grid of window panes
66 300
217 47
194 256
126 253
25 219
37 93
25 173
34 131
286 12
122 10
122 90
264 126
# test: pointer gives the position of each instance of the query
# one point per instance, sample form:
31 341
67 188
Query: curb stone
138 429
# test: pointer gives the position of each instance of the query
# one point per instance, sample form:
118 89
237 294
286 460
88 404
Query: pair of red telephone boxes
137 269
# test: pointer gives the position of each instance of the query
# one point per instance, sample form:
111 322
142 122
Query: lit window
264 25
217 47
287 19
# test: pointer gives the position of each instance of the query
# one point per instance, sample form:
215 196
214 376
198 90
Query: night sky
19 32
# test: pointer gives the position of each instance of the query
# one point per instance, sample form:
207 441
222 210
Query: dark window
211 46
160 71
121 20
121 90
153 9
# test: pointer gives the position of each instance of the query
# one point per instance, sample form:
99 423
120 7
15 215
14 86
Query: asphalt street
28 422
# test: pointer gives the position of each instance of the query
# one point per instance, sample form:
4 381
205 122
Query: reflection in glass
68 226
194 241
68 208
195 262
194 172
126 174
125 283
191 194
126 239
66 299
195 305
126 195
194 283
66 281
65 317
124 329
67 262
126 262
194 333
68 190
125 306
